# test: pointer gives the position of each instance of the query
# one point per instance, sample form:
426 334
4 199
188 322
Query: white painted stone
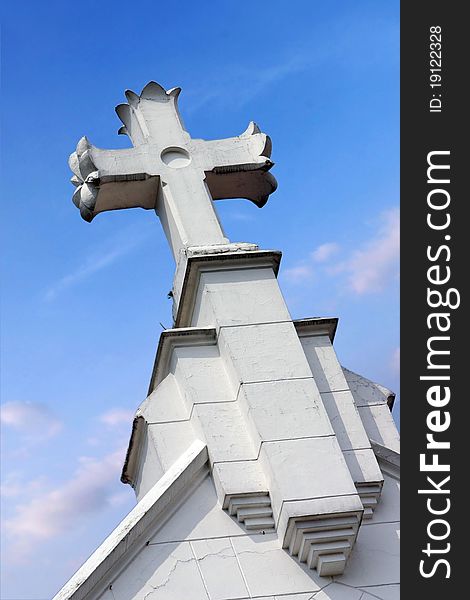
380 426
375 558
342 411
224 428
236 478
279 410
327 371
303 596
366 391
305 469
165 403
199 517
194 261
363 466
345 420
219 568
238 297
170 440
269 570
149 466
264 352
201 375
161 571
336 591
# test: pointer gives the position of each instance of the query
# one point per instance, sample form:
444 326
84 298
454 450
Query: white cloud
45 516
298 274
376 262
14 485
370 266
32 420
116 417
325 252
226 85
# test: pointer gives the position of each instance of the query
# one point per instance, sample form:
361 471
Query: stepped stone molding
325 539
324 544
370 496
253 510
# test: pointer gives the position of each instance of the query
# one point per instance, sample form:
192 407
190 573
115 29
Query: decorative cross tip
86 179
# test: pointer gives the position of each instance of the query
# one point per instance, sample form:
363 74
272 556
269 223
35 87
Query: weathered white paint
237 297
279 410
327 371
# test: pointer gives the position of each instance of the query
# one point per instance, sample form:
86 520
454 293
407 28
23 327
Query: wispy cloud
116 417
100 258
88 491
253 81
371 266
31 420
14 485
299 273
325 252
303 272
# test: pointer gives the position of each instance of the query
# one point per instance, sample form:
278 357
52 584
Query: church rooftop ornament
170 172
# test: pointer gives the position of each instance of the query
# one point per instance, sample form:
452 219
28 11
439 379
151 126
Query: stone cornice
317 326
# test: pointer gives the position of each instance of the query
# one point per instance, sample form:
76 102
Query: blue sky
83 304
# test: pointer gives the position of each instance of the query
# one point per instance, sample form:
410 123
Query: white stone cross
170 172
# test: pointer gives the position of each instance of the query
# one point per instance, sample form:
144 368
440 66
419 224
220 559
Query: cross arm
110 180
238 167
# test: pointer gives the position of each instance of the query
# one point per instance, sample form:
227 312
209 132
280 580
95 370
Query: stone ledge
253 510
317 326
369 493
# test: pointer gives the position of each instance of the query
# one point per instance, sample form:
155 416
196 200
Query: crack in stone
219 553
168 577
320 590
359 589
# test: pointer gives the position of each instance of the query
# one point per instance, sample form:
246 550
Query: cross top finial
169 171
